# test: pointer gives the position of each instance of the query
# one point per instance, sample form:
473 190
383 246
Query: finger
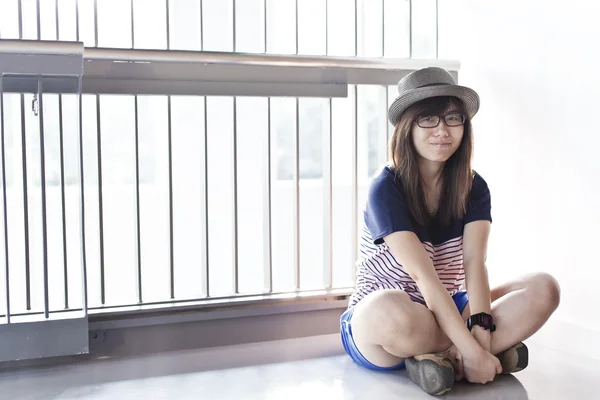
498 367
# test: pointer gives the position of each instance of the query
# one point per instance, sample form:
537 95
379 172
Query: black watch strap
482 319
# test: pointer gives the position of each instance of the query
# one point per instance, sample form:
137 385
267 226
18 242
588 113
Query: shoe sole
433 378
522 357
514 359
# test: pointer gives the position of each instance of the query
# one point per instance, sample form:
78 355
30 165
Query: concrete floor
309 368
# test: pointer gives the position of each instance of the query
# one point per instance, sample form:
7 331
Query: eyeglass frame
440 118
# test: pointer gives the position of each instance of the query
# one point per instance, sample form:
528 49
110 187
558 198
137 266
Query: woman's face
438 143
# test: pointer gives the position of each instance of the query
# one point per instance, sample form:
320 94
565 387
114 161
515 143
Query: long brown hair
456 177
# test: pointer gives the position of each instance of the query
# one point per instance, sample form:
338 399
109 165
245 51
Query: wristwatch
484 320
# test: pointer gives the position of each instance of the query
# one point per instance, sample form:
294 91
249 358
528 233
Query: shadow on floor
360 383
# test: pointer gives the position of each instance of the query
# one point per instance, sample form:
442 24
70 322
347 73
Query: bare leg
521 309
388 327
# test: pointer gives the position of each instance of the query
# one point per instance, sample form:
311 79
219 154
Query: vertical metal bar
43 185
25 205
39 22
236 269
81 179
234 25
168 26
57 20
138 230
132 26
63 199
327 202
268 252
437 30
96 23
356 28
326 27
297 198
99 149
4 204
138 233
170 150
82 193
206 237
382 28
62 178
354 246
328 182
100 201
355 178
201 26
20 7
410 29
266 33
297 28
205 262
77 23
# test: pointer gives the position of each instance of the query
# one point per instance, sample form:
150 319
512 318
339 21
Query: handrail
203 73
266 60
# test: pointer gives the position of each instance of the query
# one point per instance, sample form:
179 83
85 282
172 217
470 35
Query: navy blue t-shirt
386 211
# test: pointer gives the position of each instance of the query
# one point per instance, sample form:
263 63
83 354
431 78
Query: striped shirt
386 211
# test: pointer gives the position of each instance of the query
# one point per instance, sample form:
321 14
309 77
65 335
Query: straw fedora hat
426 83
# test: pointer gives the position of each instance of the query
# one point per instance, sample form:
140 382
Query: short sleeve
479 206
386 210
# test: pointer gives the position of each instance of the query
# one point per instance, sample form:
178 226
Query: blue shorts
460 299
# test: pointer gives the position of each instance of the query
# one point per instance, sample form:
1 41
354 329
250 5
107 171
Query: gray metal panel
40 64
52 84
22 341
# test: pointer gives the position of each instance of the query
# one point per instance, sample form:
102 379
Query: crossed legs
388 327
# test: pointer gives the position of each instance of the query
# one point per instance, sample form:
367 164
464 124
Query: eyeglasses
450 119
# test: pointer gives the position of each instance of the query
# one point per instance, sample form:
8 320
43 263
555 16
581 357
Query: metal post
99 149
4 204
236 269
82 199
327 203
25 205
170 150
40 92
205 263
410 29
62 177
81 180
355 178
138 230
268 252
297 198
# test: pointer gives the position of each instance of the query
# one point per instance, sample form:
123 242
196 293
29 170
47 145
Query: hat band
433 84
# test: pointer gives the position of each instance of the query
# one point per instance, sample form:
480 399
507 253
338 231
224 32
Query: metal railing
132 113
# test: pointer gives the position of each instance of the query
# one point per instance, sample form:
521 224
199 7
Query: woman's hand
482 367
483 337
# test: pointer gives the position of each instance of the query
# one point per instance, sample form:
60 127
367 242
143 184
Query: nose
441 129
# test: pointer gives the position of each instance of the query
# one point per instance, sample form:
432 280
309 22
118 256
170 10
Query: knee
546 291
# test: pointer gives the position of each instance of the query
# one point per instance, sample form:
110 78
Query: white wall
536 66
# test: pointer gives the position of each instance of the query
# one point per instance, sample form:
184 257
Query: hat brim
469 97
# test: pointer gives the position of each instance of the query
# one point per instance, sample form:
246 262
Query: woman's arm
409 251
475 240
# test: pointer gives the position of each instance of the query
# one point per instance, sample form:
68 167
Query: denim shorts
460 299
